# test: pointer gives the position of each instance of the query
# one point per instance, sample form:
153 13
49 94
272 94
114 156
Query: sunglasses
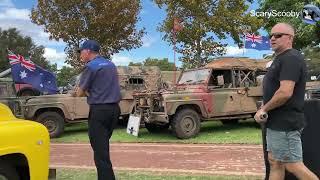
278 35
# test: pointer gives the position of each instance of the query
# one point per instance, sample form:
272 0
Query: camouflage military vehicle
54 111
226 89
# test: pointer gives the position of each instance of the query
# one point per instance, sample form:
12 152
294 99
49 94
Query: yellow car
24 148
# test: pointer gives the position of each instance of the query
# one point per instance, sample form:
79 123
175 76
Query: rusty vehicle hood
52 98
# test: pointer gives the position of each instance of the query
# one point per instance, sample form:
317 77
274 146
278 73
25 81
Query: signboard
133 125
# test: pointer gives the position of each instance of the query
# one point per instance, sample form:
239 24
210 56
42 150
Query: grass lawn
71 174
245 132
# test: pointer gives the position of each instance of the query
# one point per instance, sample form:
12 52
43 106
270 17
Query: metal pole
174 57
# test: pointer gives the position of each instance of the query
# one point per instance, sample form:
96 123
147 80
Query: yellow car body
24 148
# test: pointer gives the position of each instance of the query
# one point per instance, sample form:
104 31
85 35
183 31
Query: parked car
24 148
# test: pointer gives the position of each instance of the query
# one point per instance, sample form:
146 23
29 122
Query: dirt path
178 158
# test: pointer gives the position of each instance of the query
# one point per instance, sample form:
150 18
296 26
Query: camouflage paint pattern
212 102
131 79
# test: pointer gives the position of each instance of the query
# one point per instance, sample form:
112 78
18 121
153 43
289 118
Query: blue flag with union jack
25 71
257 42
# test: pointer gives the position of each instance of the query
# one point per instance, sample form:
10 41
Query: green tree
312 56
205 23
23 45
111 23
306 34
163 64
53 68
64 75
135 64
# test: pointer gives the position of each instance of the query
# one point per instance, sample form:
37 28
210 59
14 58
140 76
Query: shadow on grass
207 127
219 127
211 132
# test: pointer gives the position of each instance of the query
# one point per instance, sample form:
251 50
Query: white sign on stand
133 125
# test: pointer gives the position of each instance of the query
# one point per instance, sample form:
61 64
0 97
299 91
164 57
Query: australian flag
25 71
257 42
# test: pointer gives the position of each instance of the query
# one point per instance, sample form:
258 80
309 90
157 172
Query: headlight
142 101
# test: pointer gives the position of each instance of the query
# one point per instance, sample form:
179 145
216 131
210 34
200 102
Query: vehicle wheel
230 121
186 123
53 121
7 172
156 128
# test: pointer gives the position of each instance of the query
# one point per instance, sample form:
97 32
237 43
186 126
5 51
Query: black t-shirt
289 65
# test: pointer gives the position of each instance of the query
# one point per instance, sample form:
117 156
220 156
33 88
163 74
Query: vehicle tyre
156 128
7 172
186 123
53 121
230 121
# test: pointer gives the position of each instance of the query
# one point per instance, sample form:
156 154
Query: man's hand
259 116
78 92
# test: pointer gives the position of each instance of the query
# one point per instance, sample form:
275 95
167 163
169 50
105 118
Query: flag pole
176 27
174 56
244 44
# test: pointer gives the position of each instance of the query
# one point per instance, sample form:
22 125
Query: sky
15 14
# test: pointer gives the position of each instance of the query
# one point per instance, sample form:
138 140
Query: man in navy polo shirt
99 81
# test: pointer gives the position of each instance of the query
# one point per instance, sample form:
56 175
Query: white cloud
53 56
14 14
121 60
11 17
232 50
6 3
147 41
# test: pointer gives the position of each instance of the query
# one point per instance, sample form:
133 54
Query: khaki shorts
285 146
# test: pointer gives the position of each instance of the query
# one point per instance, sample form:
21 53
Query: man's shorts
285 146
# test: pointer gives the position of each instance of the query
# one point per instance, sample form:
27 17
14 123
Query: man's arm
81 89
281 96
79 92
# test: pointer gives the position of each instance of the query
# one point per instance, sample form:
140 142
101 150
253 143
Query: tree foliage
111 23
135 64
163 64
23 45
312 56
205 23
305 34
65 74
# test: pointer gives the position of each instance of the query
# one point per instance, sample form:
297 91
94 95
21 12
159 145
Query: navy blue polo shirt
100 80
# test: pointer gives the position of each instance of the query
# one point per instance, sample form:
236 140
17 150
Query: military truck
54 111
226 89
21 89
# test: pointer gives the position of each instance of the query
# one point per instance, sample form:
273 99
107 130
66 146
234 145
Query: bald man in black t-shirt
283 98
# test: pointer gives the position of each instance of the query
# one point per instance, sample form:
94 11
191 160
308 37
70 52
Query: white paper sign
133 125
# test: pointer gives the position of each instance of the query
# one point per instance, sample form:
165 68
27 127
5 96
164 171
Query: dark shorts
285 146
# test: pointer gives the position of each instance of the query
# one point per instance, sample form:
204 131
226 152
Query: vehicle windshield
194 76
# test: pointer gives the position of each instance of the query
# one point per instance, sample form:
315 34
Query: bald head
281 37
284 28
